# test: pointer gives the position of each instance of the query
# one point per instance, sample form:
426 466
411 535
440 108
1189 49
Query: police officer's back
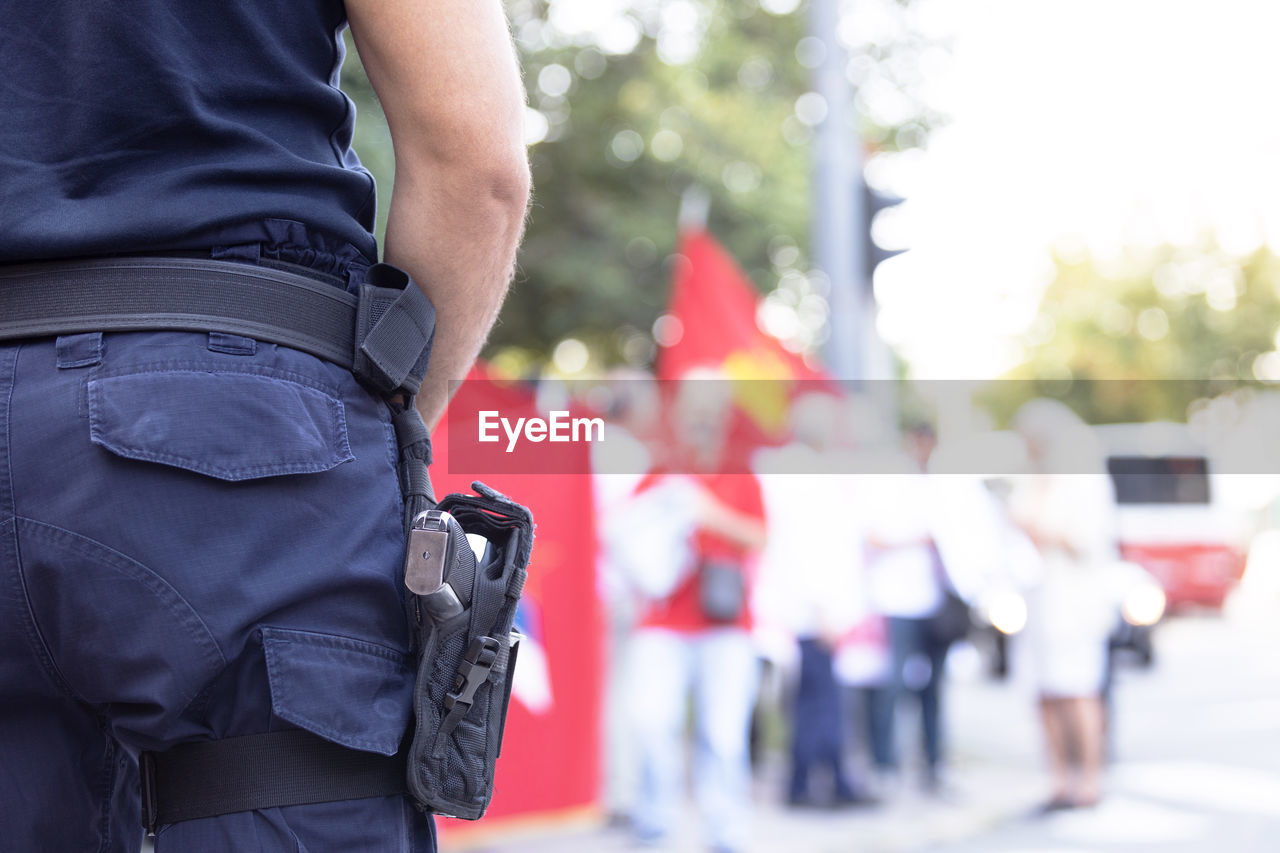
200 535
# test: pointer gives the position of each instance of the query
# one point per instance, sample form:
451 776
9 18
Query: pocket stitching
216 368
140 573
318 638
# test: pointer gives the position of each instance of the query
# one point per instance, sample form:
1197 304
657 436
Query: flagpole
695 206
838 202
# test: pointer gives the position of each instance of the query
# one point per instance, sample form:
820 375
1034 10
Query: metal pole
838 214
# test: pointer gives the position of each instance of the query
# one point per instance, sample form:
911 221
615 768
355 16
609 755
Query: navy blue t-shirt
136 126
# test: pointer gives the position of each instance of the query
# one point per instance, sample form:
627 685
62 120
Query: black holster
466 662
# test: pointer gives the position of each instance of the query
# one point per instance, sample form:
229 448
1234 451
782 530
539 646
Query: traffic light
875 203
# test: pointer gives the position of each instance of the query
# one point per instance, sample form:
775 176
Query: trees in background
634 102
1161 327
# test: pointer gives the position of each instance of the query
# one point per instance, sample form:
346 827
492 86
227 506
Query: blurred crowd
727 573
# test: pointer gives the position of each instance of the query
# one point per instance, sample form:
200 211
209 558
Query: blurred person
863 661
862 664
208 543
1257 598
695 640
810 587
1067 509
618 465
908 585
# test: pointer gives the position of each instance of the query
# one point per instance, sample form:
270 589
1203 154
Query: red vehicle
1171 523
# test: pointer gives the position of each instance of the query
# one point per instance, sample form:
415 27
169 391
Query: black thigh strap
286 768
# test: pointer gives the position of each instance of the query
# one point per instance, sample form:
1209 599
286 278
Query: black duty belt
383 335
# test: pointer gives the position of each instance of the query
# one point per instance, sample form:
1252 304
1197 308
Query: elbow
752 535
490 179
504 188
481 158
508 182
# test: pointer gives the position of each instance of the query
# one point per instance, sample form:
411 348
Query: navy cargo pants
200 537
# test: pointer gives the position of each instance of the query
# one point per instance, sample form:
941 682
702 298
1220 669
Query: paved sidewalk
979 799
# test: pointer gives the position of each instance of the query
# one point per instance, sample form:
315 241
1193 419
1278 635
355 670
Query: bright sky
1095 122
1085 124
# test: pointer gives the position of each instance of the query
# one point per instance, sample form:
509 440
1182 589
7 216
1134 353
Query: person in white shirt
809 589
906 583
1068 512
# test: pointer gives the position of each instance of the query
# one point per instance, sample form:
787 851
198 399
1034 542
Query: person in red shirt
730 531
696 640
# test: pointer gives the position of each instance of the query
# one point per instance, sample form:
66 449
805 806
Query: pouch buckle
474 671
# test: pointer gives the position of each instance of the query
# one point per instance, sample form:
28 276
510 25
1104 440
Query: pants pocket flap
227 425
351 692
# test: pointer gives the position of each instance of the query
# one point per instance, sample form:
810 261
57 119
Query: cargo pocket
351 692
228 425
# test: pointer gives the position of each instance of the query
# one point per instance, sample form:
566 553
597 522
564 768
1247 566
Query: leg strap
286 768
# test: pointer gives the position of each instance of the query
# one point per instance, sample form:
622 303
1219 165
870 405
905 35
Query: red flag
550 762
713 311
715 306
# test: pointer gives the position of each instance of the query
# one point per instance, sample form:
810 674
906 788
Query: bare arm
739 528
446 74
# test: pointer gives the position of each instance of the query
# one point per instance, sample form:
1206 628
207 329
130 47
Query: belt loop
82 350
232 344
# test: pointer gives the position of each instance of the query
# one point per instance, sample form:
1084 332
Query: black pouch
722 591
466 656
950 624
